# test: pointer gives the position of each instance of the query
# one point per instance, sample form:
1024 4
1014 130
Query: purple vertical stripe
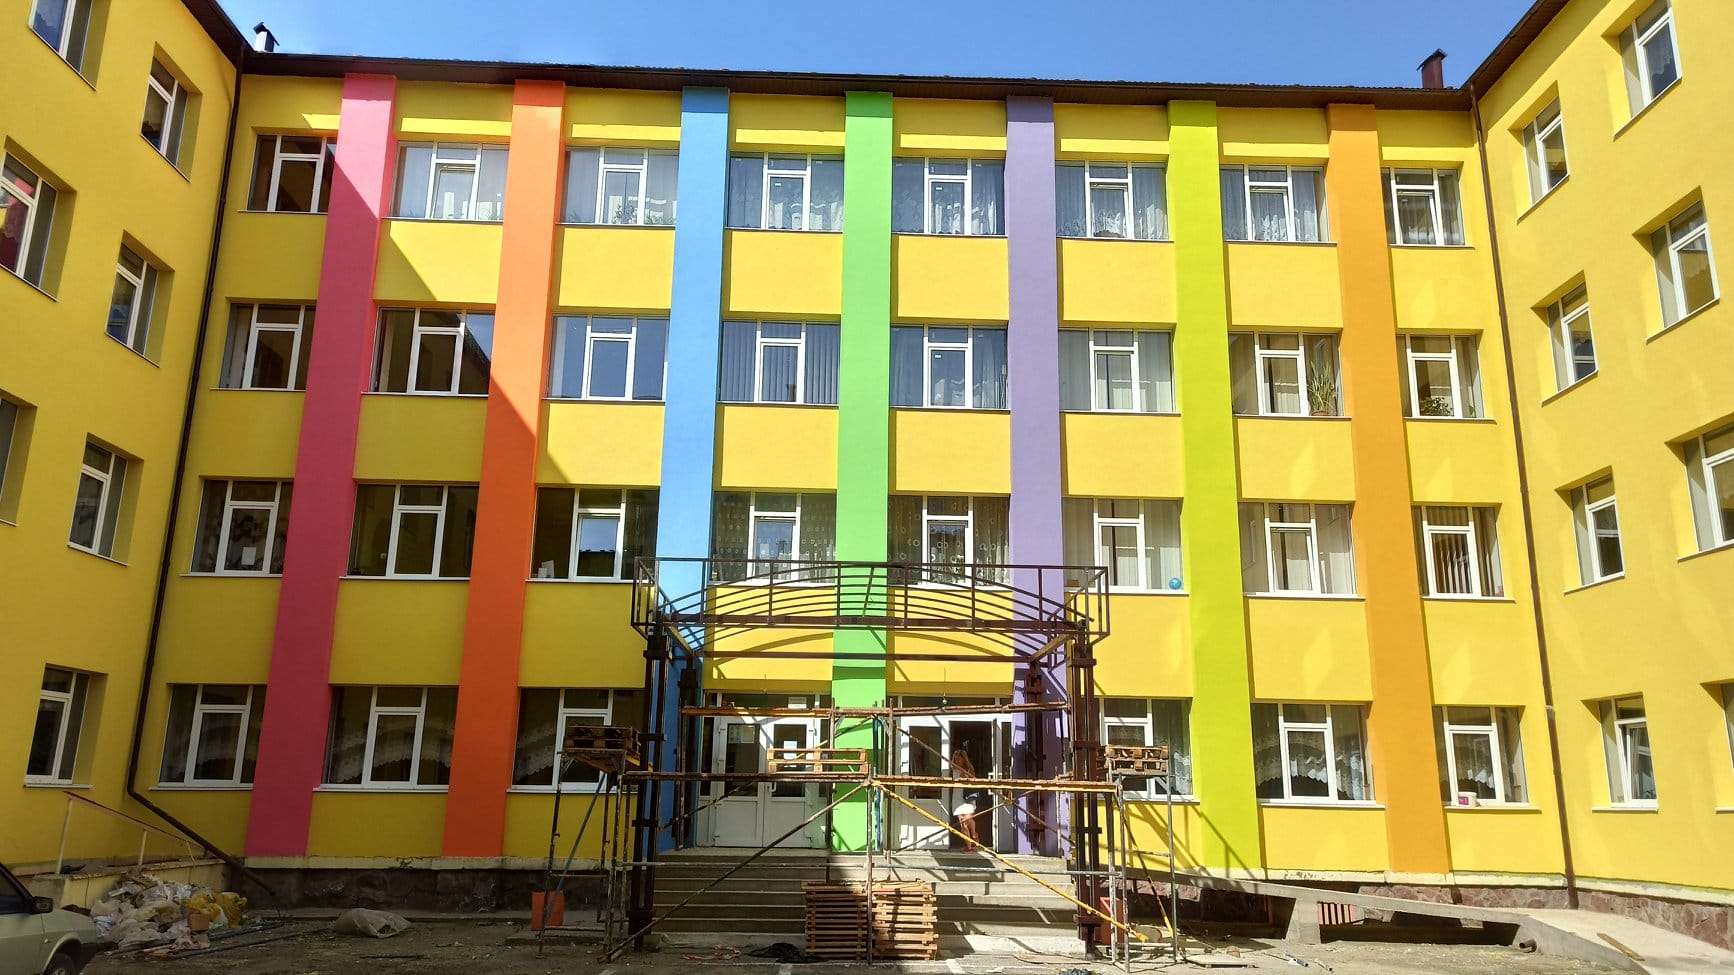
1033 355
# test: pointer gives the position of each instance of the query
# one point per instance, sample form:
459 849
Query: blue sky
1322 42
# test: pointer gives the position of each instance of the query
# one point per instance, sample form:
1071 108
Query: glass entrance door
752 813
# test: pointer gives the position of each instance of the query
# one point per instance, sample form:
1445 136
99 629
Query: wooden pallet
1138 759
817 761
902 920
604 743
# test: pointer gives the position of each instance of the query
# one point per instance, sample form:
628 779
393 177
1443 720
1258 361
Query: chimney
263 40
1433 70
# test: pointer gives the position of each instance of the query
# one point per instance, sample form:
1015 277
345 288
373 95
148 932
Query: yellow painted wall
1294 459
1320 839
603 116
68 608
394 631
947 127
556 652
420 438
1308 649
765 447
378 824
782 274
949 279
1116 281
785 123
435 261
1137 133
614 270
1148 650
1098 465
1283 286
950 452
600 443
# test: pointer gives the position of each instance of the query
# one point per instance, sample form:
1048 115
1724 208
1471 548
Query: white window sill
255 389
1320 804
585 580
616 226
1616 577
936 409
9 524
423 394
570 790
1323 596
617 402
1721 810
1640 113
51 784
1285 243
780 230
457 220
1671 326
93 553
1544 197
1627 807
1432 247
285 213
378 788
803 406
1712 550
1496 807
1122 240
202 787
347 578
924 233
1449 419
1568 388
1160 800
1112 591
1093 412
1468 599
1289 416
231 575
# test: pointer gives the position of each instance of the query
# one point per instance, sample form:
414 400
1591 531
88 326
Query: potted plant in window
1322 393
1435 406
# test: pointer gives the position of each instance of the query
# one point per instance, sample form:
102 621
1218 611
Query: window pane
660 187
1121 556
478 350
987 197
608 369
1472 754
1282 385
774 538
1114 381
120 307
1070 200
1415 218
1659 64
1639 762
46 737
85 510
582 167
394 748
1108 211
946 382
218 746
156 119
249 533
598 545
620 197
460 531
412 181
779 373
1308 765
786 200
648 358
272 350
1696 283
296 186
1269 215
1292 561
415 543
1433 389
1150 202
552 545
945 215
746 190
908 188
1348 737
827 212
451 192
988 349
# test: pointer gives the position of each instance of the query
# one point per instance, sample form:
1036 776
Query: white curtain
1451 207
1074 369
907 345
491 185
662 175
1348 730
1162 544
1243 373
908 196
1156 369
993 535
1234 203
826 194
1077 527
1150 203
1336 549
746 190
1308 204
818 541
987 197
1071 199
1267 771
583 166
988 348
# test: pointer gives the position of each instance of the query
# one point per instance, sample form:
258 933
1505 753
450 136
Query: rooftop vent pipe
1433 70
263 40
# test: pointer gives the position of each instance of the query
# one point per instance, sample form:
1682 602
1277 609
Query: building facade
1312 372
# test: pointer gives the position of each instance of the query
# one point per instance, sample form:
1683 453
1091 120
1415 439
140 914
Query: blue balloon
1174 583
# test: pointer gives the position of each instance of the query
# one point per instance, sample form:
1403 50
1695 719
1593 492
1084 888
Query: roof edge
222 31
1511 47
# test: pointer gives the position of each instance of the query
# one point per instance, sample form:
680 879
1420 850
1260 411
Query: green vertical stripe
1221 707
863 406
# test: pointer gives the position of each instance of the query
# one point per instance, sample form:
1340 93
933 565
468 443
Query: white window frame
144 285
1696 226
1728 713
1104 555
1502 789
374 712
806 176
278 157
80 690
930 345
757 515
1333 782
398 510
1535 135
69 18
438 163
966 179
1315 569
1251 188
1636 55
928 520
1562 318
563 713
1705 473
579 513
1100 348
1473 541
417 331
761 342
642 168
1454 365
254 327
592 338
32 211
230 506
106 479
1436 203
200 709
174 111
1616 733
1123 183
1147 726
1589 534
1303 371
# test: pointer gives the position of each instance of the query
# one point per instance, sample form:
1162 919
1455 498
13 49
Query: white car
37 939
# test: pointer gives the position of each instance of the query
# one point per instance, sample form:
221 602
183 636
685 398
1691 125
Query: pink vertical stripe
298 701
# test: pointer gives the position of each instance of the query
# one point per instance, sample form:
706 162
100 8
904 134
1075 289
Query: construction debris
144 911
360 922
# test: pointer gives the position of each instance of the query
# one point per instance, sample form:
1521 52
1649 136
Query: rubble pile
145 912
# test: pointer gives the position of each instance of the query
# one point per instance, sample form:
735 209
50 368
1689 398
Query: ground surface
479 948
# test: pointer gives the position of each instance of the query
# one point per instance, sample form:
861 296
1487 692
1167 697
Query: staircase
979 909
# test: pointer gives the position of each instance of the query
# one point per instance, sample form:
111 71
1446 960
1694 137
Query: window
1544 149
1138 542
779 362
26 215
786 192
243 526
948 196
1423 206
1480 755
10 473
1116 371
129 313
1273 203
96 509
63 25
1284 373
59 724
1626 741
1441 377
213 734
391 737
1111 199
1597 519
1709 478
1727 691
1684 266
1297 549
165 111
1311 752
955 534
598 357
948 367
447 182
592 533
292 174
1574 348
413 531
546 716
752 534
622 187
267 347
1459 551
434 351
1143 723
1651 56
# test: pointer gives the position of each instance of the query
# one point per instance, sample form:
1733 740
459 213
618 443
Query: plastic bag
363 923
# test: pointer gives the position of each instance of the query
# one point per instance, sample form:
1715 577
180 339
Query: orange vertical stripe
487 722
1401 719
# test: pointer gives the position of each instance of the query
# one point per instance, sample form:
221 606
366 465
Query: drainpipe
1523 495
164 567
